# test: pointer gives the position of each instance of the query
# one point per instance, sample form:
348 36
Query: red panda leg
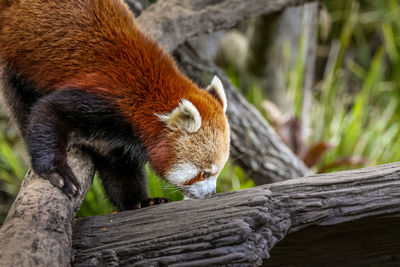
58 119
47 143
123 177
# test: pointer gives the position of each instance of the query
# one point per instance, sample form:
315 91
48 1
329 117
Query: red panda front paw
150 202
68 184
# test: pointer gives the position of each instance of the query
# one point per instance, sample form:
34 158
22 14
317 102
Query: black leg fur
123 178
47 142
64 115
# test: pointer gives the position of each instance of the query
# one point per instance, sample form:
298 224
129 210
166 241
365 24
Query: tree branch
173 22
239 227
38 227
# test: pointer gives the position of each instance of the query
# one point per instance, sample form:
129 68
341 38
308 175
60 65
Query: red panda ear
216 89
185 117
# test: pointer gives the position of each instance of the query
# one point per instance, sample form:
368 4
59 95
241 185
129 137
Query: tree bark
172 22
254 144
242 227
38 227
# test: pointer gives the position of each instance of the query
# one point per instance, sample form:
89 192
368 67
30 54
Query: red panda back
59 42
94 45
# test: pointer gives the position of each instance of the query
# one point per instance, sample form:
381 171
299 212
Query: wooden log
38 227
238 228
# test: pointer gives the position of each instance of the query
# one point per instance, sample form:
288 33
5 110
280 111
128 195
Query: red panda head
198 138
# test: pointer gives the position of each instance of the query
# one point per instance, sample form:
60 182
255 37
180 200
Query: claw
66 184
74 189
137 206
150 202
61 183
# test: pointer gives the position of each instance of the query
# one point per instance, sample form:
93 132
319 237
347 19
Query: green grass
95 202
356 104
12 170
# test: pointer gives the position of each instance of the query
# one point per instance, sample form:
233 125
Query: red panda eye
206 174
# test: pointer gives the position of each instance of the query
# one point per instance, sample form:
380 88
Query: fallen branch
38 227
239 227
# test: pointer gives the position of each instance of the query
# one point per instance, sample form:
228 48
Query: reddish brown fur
95 45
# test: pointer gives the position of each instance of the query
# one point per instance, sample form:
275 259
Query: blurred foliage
356 102
355 105
12 165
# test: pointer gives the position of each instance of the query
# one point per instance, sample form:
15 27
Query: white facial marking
181 173
184 172
202 188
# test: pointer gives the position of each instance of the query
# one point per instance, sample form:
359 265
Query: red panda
82 73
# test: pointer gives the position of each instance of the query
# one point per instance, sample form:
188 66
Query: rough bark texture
38 227
172 22
254 144
243 226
